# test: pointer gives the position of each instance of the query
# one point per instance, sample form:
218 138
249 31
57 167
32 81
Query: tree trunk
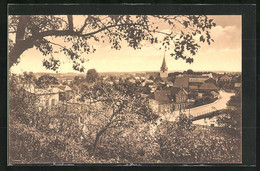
17 51
70 21
20 43
95 145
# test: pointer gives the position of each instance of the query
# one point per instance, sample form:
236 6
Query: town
90 109
122 89
167 92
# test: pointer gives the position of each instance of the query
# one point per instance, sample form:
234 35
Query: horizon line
129 71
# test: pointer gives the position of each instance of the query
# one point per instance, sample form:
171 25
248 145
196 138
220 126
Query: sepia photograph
120 89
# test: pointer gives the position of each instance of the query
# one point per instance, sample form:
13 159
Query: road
219 104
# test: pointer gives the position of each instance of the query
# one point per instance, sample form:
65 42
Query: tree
158 79
92 75
189 71
116 107
38 135
28 31
180 141
151 77
46 80
112 78
23 105
231 120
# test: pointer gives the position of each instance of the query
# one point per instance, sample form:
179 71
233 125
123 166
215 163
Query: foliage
235 101
118 107
117 126
151 77
37 31
189 71
195 145
46 80
41 135
92 75
158 79
22 104
231 121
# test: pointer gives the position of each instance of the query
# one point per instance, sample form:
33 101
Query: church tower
164 70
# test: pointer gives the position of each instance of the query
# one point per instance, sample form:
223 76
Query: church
163 74
168 98
164 70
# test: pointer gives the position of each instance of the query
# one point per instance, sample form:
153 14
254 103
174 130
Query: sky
225 54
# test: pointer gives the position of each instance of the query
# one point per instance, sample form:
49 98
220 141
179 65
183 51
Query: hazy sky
225 54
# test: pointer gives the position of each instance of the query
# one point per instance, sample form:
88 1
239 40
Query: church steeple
164 66
164 69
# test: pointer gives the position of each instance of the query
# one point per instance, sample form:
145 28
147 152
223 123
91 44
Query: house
140 76
47 97
180 98
238 85
210 80
225 78
198 79
68 82
193 91
164 99
131 80
209 75
66 92
152 74
208 87
144 90
170 79
199 95
210 95
193 88
214 94
163 96
153 87
169 84
169 99
181 82
149 81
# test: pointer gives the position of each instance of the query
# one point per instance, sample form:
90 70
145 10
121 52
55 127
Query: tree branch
70 21
107 27
56 44
84 25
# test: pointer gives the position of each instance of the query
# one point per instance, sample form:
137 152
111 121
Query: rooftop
208 86
163 96
181 82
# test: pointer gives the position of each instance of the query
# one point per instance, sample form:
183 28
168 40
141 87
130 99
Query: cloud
225 37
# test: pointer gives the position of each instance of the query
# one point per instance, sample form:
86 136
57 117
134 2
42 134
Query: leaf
202 39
